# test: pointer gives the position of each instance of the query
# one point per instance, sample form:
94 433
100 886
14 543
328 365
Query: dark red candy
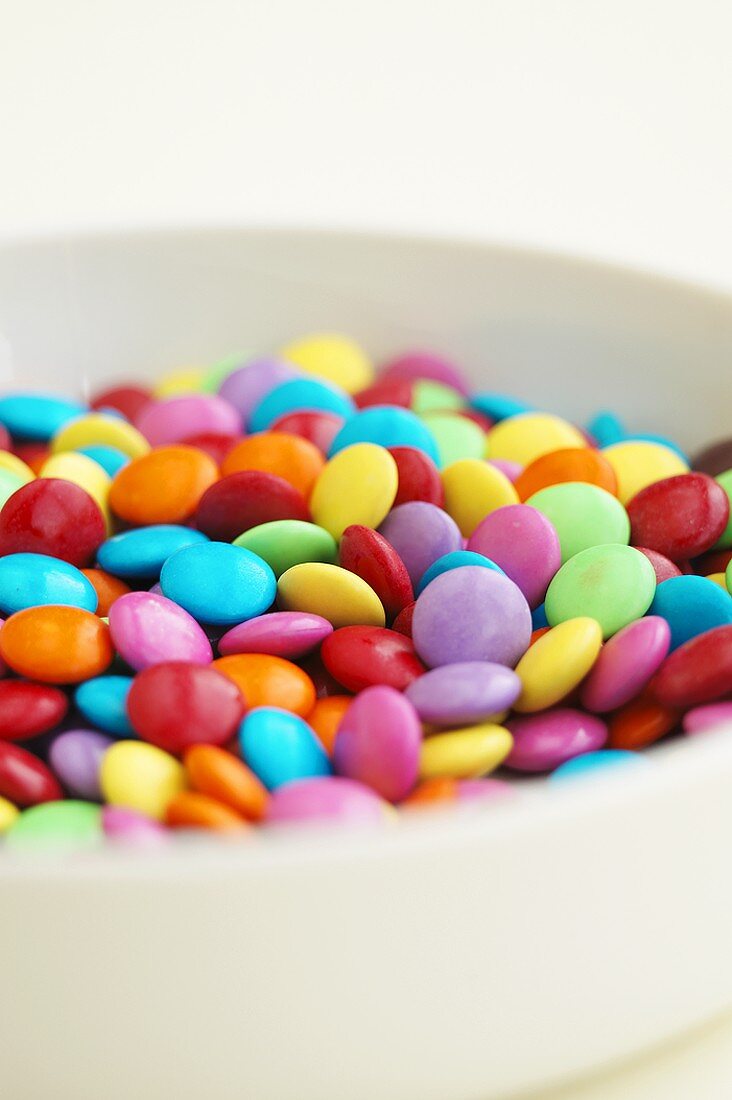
403 622
699 671
419 478
177 704
215 444
5 440
714 459
325 684
317 426
55 517
245 499
662 567
27 709
375 560
714 561
24 779
680 517
34 454
387 391
129 400
362 656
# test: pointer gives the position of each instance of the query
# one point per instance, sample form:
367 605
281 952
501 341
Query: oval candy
360 657
378 743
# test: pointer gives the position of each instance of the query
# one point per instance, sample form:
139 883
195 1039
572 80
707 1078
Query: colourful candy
218 583
57 645
148 629
280 747
360 657
379 741
281 634
613 584
464 693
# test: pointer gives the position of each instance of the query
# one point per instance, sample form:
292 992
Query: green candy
728 577
456 436
613 584
287 542
58 825
430 396
724 542
215 375
9 482
583 515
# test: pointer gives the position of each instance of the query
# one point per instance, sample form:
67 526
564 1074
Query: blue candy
389 426
143 551
103 702
300 393
538 617
455 560
598 761
37 415
279 746
606 428
110 459
218 583
35 580
691 605
499 406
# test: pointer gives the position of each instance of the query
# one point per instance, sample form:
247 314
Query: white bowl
459 956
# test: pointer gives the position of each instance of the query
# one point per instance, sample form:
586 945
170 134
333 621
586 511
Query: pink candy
379 741
177 418
326 799
148 629
626 663
541 742
280 633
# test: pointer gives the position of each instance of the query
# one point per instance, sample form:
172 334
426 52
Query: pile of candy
286 589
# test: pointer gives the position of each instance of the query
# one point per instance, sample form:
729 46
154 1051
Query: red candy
715 561
419 478
176 704
216 444
245 499
699 671
387 391
371 557
317 426
362 656
27 709
403 622
5 440
24 779
128 400
662 567
680 517
54 517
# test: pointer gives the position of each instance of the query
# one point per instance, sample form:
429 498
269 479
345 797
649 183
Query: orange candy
222 776
431 791
163 486
191 810
107 588
640 723
568 464
325 718
538 633
56 645
290 457
266 681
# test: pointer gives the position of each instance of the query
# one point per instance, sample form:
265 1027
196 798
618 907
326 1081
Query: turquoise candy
455 560
387 426
103 702
35 580
606 428
143 551
111 459
219 583
298 394
499 406
599 761
37 415
691 605
280 747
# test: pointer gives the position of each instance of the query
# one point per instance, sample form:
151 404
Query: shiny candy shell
387 426
378 743
524 544
455 560
100 428
638 463
143 551
691 605
163 486
280 633
172 419
140 777
626 663
218 583
67 825
341 597
103 702
34 580
701 719
557 663
287 542
54 517
680 517
583 515
27 709
275 452
529 435
700 671
57 645
298 394
219 774
76 757
174 705
466 753
419 478
369 555
330 798
474 489
333 357
613 584
24 779
541 742
246 499
463 693
420 533
148 629
37 415
358 485
363 656
265 681
247 385
280 747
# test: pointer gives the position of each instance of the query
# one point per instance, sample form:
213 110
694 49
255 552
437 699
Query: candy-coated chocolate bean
128 827
218 583
298 394
35 580
246 499
37 415
319 428
541 742
710 716
369 555
76 758
626 663
358 485
247 385
681 516
148 629
325 718
176 704
641 722
556 663
583 515
525 545
128 400
419 478
466 753
691 606
363 656
287 542
700 671
267 681
24 779
330 798
56 645
613 584
143 552
528 436
335 358
378 743
59 826
473 489
100 428
103 702
219 774
458 694
662 567
420 533
576 464
280 747
386 426
403 622
164 486
140 777
171 419
415 365
286 456
639 463
27 709
280 634
54 517
193 810
341 597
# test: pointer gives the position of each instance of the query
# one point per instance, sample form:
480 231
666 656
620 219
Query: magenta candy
706 717
462 693
330 798
281 634
75 757
525 545
378 742
507 467
148 629
420 533
471 614
468 790
173 419
131 827
245 387
626 663
414 365
541 742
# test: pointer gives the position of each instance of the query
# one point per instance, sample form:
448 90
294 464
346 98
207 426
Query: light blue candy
37 415
499 406
389 426
103 702
606 428
691 606
110 459
300 393
144 551
35 580
455 560
219 583
538 617
602 760
279 746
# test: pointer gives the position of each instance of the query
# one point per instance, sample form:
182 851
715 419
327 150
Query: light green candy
456 437
9 482
216 374
724 542
287 542
728 577
68 825
428 396
613 584
583 515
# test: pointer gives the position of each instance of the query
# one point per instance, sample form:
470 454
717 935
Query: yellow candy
83 471
8 814
334 358
527 436
358 485
140 777
557 662
16 465
98 428
473 489
638 463
177 382
719 578
464 753
341 597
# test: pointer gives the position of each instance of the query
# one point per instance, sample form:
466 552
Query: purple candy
626 663
147 629
507 467
525 545
462 693
379 741
245 387
706 717
75 757
471 614
131 827
281 634
420 533
541 742
331 798
414 365
173 419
